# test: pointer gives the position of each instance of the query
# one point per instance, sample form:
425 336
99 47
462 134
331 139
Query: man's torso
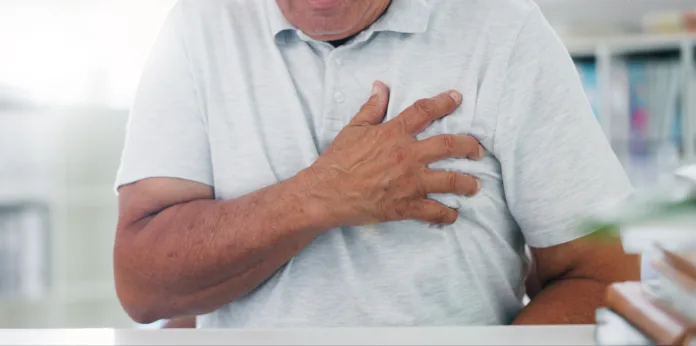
272 105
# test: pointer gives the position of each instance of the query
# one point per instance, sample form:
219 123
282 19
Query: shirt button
338 97
338 61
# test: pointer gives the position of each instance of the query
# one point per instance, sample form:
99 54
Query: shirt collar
403 16
277 21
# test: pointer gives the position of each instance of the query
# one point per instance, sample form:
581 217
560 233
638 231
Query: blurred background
69 69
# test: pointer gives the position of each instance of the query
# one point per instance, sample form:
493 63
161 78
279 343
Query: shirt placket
334 97
336 115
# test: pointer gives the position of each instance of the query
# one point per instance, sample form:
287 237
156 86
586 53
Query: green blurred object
673 209
629 214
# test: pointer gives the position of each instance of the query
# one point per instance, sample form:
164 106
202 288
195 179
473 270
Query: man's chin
330 35
323 5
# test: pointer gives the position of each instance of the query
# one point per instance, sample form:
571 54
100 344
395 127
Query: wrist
313 192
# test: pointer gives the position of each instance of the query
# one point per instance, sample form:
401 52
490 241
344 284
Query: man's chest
272 116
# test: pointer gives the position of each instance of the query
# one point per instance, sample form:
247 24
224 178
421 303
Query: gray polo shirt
234 97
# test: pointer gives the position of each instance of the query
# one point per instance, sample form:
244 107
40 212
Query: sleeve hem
554 237
132 178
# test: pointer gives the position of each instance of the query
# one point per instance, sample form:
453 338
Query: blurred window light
77 51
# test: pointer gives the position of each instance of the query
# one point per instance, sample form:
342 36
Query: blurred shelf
70 293
23 193
629 44
14 194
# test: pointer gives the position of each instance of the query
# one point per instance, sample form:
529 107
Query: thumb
373 112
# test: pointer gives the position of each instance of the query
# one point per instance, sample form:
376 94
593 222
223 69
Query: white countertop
542 335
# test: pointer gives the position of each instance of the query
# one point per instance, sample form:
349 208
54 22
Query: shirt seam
200 109
189 64
505 76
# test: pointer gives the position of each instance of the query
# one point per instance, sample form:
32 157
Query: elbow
137 302
134 291
139 314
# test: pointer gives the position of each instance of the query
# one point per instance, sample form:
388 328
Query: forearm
192 258
569 301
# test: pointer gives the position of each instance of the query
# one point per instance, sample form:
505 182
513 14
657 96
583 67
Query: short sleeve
557 164
167 132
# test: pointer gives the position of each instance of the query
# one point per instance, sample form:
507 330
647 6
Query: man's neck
338 43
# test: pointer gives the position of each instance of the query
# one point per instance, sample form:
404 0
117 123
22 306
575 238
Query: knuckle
417 182
401 211
424 107
370 105
392 128
401 155
401 125
442 216
387 133
382 134
367 108
448 143
452 180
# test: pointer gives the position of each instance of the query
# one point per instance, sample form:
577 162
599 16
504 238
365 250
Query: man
268 182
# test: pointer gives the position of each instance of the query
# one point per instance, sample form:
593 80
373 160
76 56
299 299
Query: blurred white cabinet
65 161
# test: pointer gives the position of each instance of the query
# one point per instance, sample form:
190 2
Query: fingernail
375 88
478 185
482 152
456 96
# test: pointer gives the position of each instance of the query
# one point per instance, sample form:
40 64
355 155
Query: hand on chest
281 135
278 144
336 115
